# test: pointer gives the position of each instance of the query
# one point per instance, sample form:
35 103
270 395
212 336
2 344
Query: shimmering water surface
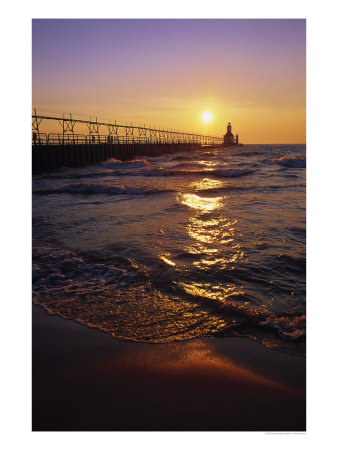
203 243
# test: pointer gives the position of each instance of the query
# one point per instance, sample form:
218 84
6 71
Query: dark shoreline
84 380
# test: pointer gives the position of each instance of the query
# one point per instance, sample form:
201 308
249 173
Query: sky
168 73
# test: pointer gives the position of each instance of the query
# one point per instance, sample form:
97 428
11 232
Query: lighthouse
229 137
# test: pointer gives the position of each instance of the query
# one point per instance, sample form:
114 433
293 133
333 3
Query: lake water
184 245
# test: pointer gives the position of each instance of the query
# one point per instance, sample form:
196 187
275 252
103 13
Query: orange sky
169 72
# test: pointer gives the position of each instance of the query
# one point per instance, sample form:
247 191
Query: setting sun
207 117
168 240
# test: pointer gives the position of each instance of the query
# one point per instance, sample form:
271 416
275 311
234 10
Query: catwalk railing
111 133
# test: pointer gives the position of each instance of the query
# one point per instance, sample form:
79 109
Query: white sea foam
288 327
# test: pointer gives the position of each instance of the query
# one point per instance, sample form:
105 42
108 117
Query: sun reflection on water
166 259
210 163
214 292
211 243
205 204
207 184
198 249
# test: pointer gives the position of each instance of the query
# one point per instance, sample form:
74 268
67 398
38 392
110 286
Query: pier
105 140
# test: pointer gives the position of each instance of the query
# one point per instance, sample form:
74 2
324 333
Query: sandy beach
84 380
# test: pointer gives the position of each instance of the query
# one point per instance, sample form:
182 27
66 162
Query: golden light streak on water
206 183
166 260
214 292
204 204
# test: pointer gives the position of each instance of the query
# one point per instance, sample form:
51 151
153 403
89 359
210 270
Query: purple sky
168 72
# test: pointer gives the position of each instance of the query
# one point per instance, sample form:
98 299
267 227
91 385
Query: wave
243 310
97 188
159 173
94 171
116 164
180 157
293 162
74 175
116 295
113 168
291 328
232 173
187 166
223 173
54 267
223 189
249 153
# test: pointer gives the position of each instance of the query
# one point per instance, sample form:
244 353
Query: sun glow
205 204
207 117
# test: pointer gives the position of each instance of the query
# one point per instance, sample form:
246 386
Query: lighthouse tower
229 137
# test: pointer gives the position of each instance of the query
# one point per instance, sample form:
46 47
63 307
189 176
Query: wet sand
84 380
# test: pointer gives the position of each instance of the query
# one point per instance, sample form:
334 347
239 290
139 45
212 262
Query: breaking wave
291 328
293 162
118 297
288 161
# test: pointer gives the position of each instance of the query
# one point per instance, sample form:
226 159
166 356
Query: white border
16 223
